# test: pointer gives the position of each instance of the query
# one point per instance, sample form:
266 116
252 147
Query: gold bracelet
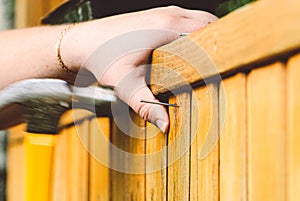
57 49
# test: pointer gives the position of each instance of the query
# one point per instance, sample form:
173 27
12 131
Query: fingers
185 20
199 14
191 25
132 89
155 114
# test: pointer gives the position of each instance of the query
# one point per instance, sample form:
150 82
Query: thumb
156 114
132 89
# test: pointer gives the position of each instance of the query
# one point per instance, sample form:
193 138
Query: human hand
124 43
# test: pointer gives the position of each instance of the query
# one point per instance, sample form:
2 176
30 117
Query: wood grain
204 158
137 165
118 181
178 148
16 164
99 172
253 33
266 131
71 169
233 139
78 161
61 186
156 164
293 129
128 181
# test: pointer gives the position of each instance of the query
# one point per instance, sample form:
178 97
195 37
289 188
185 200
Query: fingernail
162 125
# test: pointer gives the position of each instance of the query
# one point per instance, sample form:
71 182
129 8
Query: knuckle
168 20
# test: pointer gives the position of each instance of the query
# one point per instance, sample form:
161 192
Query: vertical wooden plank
99 173
118 184
293 128
16 164
136 180
156 161
71 168
29 12
39 150
233 139
61 186
266 124
78 161
126 184
20 14
205 159
194 183
178 148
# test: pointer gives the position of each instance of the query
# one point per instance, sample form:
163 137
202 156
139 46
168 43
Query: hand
118 48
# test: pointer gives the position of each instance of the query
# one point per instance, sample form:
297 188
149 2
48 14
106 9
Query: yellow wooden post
16 164
28 13
178 152
39 162
266 133
293 129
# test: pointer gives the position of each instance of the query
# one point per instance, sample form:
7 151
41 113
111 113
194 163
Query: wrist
71 47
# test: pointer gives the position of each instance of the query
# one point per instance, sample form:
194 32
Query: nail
183 34
159 103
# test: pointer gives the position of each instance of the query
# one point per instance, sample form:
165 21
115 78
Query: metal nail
183 34
159 103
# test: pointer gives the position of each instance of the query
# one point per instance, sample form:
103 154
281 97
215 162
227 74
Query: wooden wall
250 119
256 157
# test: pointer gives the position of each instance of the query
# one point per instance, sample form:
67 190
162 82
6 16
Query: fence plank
118 184
29 12
205 149
71 168
99 150
78 162
266 133
16 164
293 135
136 180
178 148
233 139
61 186
125 186
156 161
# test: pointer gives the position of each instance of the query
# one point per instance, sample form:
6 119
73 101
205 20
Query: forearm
28 53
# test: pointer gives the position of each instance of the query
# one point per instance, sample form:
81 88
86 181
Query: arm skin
30 53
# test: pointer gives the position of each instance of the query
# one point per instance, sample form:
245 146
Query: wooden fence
234 138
